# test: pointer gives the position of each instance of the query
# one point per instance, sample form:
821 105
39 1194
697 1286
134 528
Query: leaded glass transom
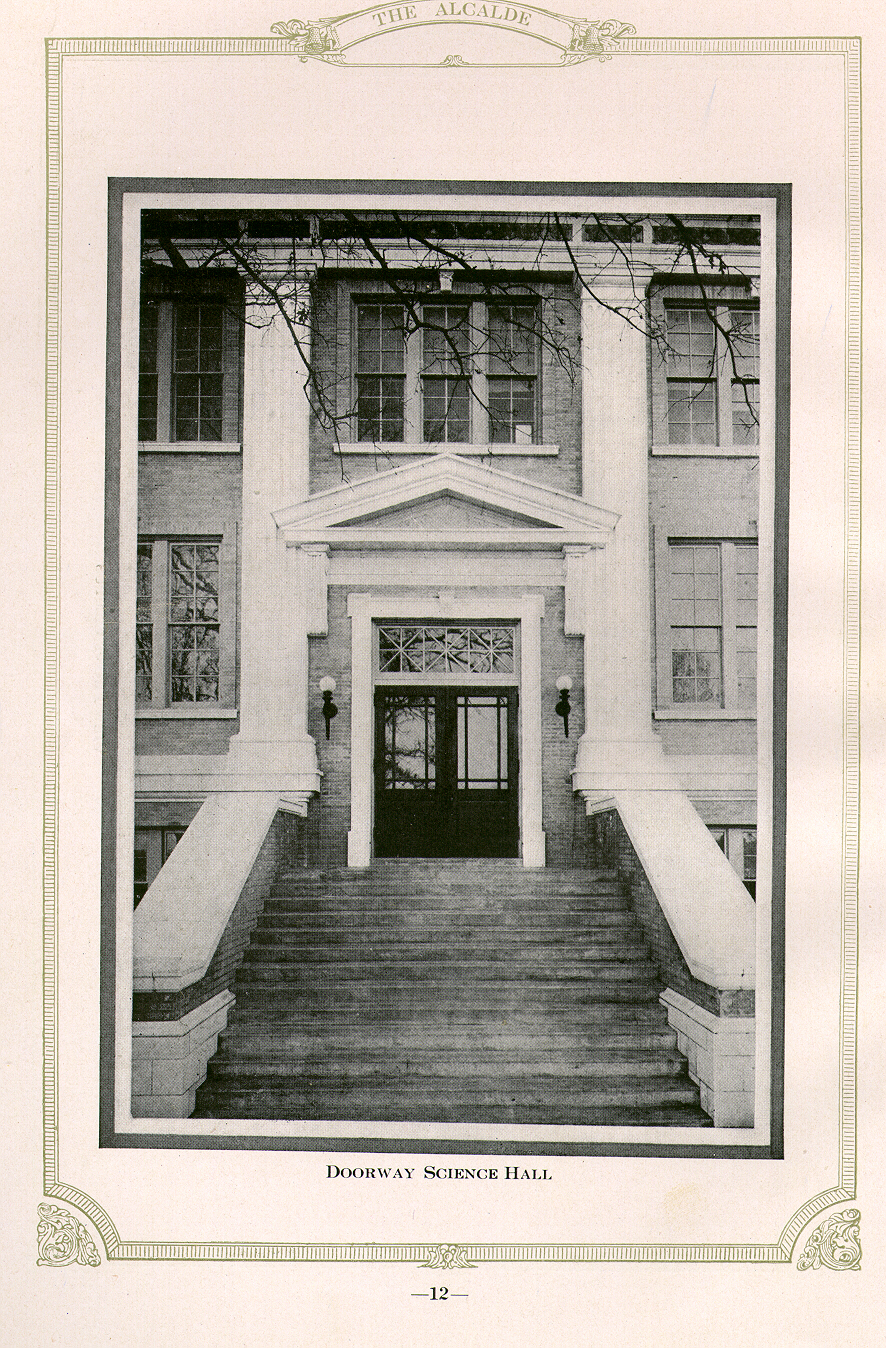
420 648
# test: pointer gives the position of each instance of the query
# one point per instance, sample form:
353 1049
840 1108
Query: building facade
448 547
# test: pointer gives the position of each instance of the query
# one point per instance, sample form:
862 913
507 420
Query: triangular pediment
446 501
445 510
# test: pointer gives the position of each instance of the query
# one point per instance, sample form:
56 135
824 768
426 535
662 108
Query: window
740 847
706 373
153 847
189 359
416 648
467 373
381 372
184 636
707 656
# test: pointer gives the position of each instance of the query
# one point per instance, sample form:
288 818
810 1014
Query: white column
532 838
362 783
275 604
619 739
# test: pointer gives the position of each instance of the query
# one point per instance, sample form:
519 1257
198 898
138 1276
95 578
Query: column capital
623 284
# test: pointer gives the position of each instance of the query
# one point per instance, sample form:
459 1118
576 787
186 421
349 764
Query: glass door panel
446 772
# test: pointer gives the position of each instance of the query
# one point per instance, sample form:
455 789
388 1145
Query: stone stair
449 991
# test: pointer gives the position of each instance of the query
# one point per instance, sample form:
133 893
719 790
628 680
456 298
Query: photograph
446 624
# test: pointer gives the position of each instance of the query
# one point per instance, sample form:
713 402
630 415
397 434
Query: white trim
338 507
383 449
363 536
705 451
191 712
528 610
699 712
189 446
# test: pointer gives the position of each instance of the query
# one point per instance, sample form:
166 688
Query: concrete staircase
449 991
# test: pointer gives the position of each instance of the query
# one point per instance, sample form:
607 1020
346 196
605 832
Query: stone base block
720 1053
169 1059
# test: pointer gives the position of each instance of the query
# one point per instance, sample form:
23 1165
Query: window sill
189 447
193 711
387 448
701 714
706 451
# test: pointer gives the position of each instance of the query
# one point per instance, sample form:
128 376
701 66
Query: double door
446 772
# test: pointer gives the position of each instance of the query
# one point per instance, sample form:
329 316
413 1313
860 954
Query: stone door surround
468 605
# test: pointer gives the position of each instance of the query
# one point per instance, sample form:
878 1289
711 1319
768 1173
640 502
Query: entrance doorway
446 765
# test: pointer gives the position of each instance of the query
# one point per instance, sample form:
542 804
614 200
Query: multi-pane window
198 371
711 657
416 648
482 742
193 622
447 372
740 846
381 372
189 360
707 373
410 733
692 377
745 375
513 356
180 658
696 624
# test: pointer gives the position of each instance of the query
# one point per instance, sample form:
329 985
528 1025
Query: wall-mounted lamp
327 688
564 683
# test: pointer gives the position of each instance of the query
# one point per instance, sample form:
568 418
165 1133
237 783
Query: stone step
345 952
486 872
475 1101
266 1011
449 992
268 964
416 924
269 1104
368 1041
332 1069
445 908
550 999
603 1089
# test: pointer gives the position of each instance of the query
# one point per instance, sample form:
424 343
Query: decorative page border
835 1242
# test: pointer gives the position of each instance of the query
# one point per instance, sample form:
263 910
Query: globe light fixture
327 688
564 683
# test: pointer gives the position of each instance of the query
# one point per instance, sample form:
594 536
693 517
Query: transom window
417 648
466 372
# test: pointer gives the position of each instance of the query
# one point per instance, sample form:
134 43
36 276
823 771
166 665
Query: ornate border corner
447 1256
311 37
834 1244
595 39
62 1240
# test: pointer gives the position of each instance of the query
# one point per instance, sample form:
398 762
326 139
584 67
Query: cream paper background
690 118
